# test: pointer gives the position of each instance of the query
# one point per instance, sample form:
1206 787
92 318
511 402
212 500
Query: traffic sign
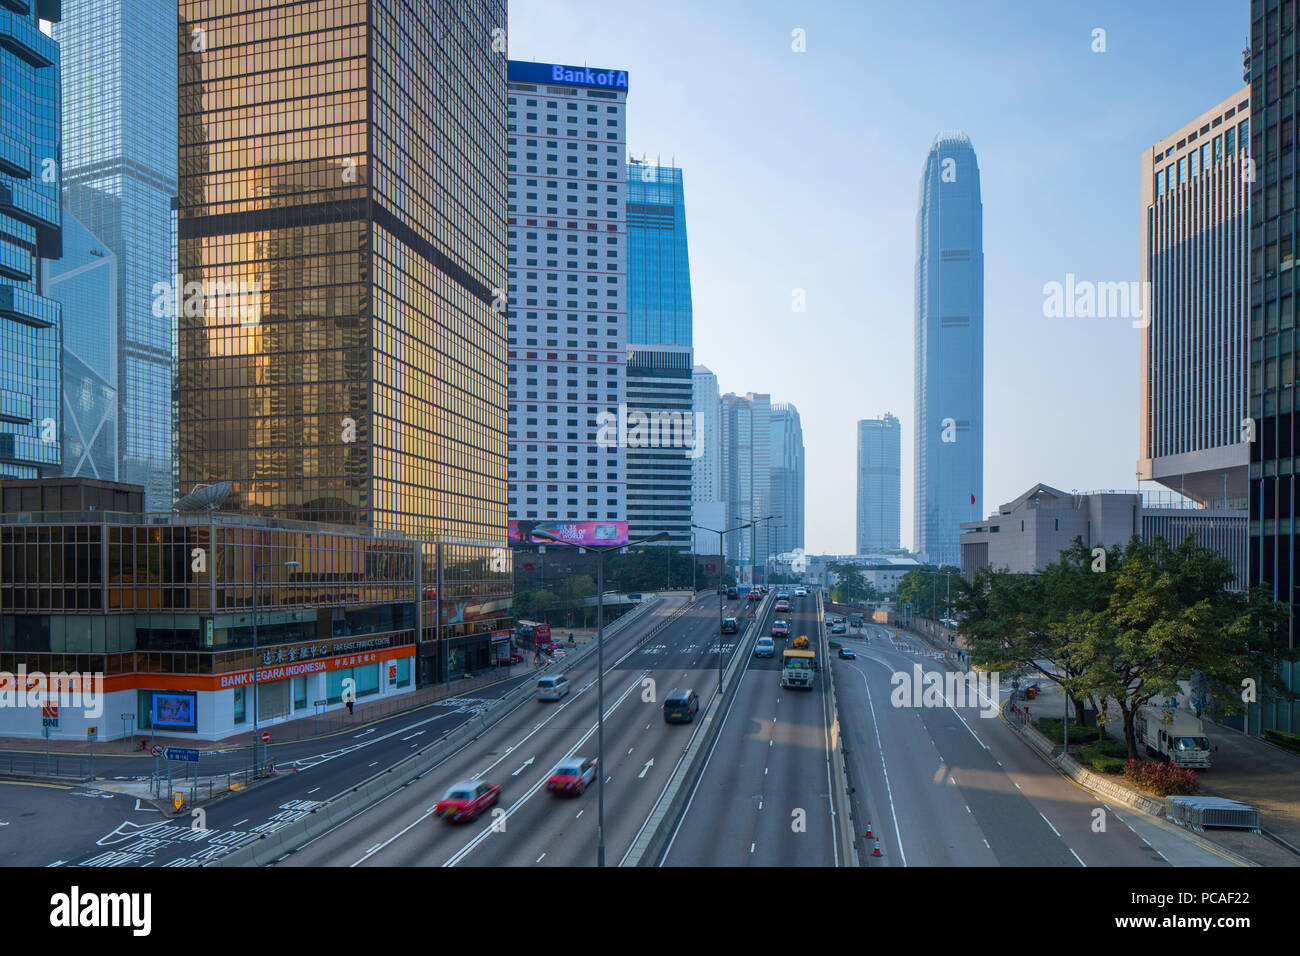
157 750
178 799
182 753
92 733
266 736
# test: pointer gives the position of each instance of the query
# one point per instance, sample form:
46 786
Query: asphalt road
519 753
952 785
763 798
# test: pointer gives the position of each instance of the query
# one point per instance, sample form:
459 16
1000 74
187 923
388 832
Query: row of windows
1190 166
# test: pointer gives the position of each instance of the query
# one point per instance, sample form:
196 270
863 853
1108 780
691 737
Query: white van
552 688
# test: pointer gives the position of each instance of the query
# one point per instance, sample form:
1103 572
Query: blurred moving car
780 629
729 625
466 800
848 654
764 647
680 706
572 775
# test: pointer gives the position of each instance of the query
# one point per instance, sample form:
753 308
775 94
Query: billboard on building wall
579 533
173 710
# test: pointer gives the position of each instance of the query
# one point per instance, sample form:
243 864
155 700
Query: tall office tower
659 382
342 198
706 470
1195 339
1274 543
119 160
880 461
30 159
787 465
949 376
568 291
747 475
84 283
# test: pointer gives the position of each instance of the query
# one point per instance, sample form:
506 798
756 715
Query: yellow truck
797 667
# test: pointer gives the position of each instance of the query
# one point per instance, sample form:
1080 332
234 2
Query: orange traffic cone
876 851
868 833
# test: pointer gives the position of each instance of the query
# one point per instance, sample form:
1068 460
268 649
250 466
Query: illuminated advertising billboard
579 533
173 710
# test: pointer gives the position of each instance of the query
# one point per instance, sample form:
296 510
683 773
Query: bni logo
75 909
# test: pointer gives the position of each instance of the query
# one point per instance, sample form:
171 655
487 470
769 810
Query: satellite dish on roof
204 498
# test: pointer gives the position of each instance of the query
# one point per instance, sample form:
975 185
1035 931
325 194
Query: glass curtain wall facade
119 152
31 164
658 263
342 170
747 473
1194 339
949 349
84 282
787 479
879 484
1274 538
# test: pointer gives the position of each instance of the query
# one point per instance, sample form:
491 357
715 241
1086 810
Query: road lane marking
540 858
880 749
527 763
1049 823
648 764
1076 856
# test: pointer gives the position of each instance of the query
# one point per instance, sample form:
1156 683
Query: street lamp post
600 672
721 587
256 566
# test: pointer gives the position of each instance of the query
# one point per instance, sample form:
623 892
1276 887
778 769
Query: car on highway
780 629
755 594
729 625
782 606
830 620
732 594
765 647
800 592
466 800
848 654
681 706
838 628
553 687
572 775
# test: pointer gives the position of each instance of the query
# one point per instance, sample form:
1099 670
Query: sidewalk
1245 769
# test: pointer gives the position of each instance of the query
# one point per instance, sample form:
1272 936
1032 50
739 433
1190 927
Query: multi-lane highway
763 797
519 752
953 785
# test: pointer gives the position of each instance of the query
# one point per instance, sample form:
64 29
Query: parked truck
1174 734
797 667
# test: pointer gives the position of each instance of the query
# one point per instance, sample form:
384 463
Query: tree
851 585
926 589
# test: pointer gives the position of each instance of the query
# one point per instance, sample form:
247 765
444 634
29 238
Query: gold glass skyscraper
341 262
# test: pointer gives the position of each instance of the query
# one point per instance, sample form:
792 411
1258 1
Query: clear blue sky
801 171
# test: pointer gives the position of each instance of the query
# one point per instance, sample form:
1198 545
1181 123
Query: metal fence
39 765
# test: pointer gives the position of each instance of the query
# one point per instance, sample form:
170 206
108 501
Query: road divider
338 809
836 758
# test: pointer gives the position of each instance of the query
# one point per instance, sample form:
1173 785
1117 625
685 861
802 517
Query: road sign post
92 734
128 729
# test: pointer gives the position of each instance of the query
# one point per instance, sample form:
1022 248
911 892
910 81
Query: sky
801 172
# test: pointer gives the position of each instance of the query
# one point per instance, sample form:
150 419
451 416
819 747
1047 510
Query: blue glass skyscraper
658 267
30 170
119 121
659 362
949 382
84 282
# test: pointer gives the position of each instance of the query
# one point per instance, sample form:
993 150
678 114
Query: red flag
972 498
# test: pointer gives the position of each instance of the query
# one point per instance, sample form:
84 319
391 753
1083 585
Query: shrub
1160 778
1050 727
1095 757
1283 739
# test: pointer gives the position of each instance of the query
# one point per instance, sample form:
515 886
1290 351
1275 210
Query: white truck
1174 734
797 666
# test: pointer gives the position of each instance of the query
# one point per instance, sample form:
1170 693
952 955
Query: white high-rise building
879 485
747 474
706 474
787 465
567 299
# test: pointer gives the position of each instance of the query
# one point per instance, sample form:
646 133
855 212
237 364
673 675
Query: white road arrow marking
363 733
648 764
414 735
527 763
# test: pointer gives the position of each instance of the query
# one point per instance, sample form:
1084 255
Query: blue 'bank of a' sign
522 71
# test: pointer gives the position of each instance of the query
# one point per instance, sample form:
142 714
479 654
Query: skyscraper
706 470
84 282
119 156
30 171
949 352
1274 543
342 202
659 382
1195 340
879 484
787 464
568 290
747 474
